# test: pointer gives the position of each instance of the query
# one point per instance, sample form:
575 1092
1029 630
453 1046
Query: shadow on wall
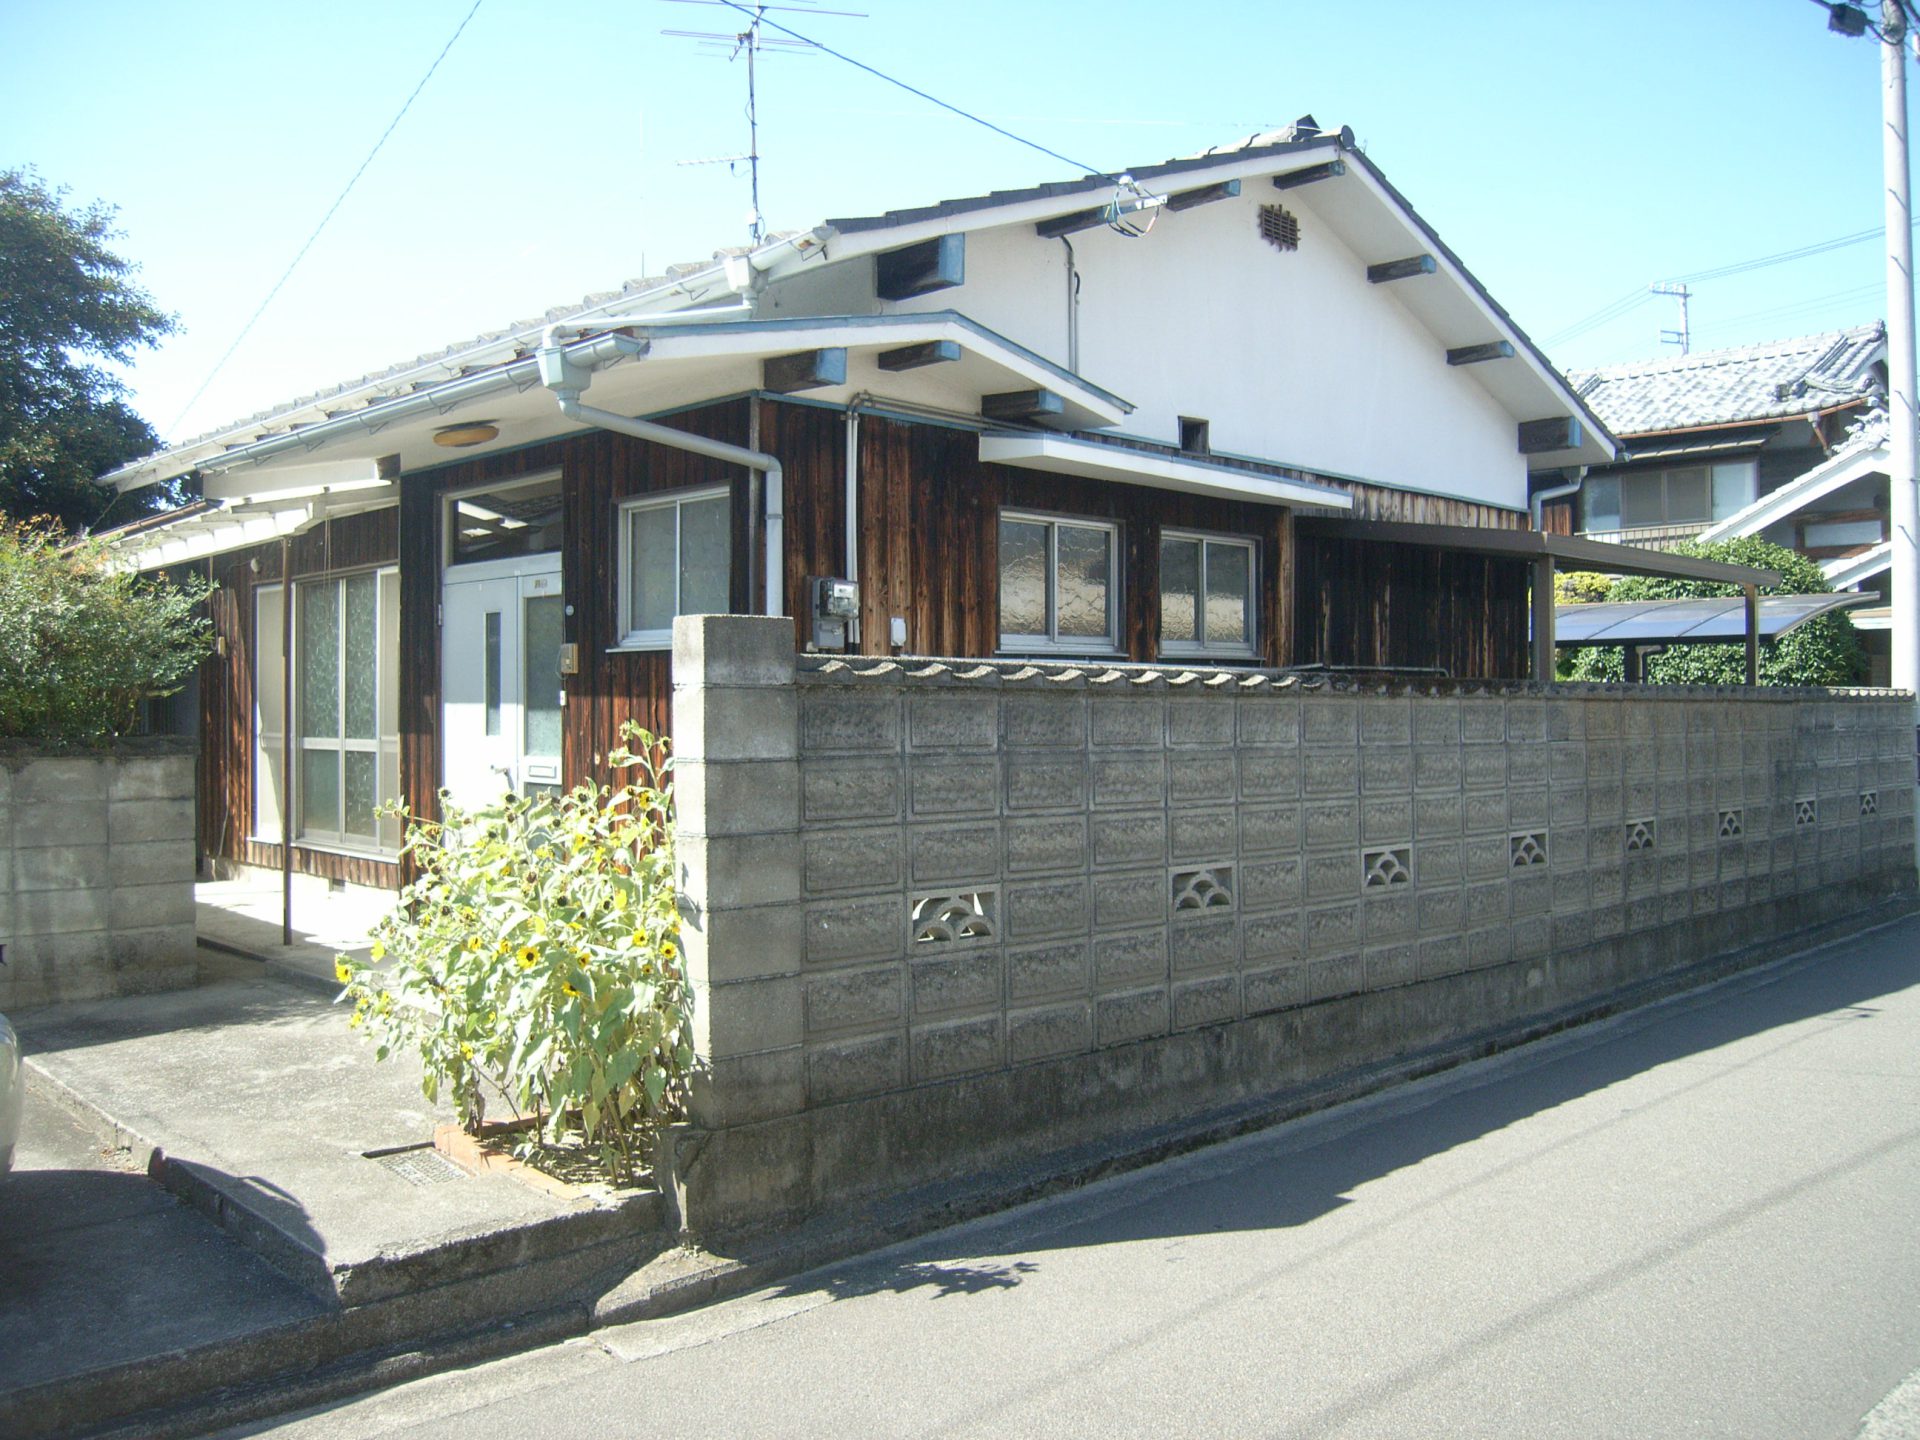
1278 1185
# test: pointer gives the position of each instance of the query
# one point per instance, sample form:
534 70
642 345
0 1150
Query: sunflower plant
537 958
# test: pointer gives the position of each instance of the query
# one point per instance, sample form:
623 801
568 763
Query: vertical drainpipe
286 741
852 522
1073 307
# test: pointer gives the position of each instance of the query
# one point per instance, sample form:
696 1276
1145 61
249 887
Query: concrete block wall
96 874
913 881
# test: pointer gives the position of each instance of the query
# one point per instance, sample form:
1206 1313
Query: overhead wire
338 200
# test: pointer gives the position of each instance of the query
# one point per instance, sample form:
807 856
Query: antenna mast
750 42
1683 337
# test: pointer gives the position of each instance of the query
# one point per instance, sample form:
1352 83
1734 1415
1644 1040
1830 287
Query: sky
1571 152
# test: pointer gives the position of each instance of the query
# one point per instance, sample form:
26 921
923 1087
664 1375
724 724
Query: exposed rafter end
1562 432
936 264
1474 354
1205 195
912 357
1034 407
1401 269
807 370
1293 180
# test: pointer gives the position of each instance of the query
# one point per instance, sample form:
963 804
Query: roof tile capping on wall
947 914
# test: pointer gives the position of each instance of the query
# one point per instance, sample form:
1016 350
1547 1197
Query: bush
538 956
86 643
1824 651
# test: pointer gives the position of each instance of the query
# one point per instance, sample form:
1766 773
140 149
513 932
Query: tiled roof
1724 387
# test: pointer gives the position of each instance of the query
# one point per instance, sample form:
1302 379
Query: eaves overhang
1092 459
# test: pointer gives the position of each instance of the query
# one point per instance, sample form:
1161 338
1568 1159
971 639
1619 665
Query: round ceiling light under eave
472 432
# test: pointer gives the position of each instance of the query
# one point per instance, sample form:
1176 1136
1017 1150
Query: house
1243 407
1785 440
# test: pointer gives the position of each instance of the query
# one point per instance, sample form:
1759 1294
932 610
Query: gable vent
1279 227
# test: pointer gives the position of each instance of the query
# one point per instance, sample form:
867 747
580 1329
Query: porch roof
1063 455
1567 552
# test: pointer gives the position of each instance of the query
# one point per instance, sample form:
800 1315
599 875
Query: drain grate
425 1166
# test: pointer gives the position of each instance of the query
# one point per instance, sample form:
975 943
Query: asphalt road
1697 1220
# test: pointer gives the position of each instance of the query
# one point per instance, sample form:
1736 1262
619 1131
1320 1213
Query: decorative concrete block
1437 814
1485 767
1437 768
1267 883
1332 928
1045 721
1129 839
839 790
1333 876
1267 829
942 790
1277 987
1327 719
1056 1030
1331 824
1208 722
1385 966
1125 898
953 853
953 720
1128 959
1269 719
865 999
1274 936
959 1047
1269 774
1202 835
1203 944
841 930
1038 971
843 860
841 720
1335 976
969 980
1047 782
1200 779
1325 771
1130 722
1386 819
1048 907
1041 844
1386 770
1386 720
1134 1015
857 1067
1129 781
1206 1002
1436 721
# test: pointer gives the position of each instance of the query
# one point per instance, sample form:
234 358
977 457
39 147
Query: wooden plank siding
1367 604
226 781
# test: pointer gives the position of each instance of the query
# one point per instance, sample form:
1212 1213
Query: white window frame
1238 649
632 639
1052 642
385 841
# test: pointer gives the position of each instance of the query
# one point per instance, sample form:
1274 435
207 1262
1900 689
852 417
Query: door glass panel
1179 591
490 665
362 792
390 656
654 556
1082 602
362 656
1229 593
706 571
318 646
540 645
320 791
1023 578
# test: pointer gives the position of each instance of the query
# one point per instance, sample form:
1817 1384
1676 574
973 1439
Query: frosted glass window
1600 502
540 694
1734 487
1642 501
1687 495
269 710
1058 584
676 559
1206 595
1084 559
1179 591
346 664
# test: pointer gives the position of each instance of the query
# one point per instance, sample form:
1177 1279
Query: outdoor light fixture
473 432
1847 19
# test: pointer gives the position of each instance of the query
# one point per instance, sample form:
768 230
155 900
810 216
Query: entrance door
500 676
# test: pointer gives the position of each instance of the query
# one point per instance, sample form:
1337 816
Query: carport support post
1543 619
1753 634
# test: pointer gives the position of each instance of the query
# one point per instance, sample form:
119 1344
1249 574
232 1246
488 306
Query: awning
1715 620
1062 455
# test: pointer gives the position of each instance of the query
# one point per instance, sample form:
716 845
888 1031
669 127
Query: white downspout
852 525
567 380
1558 492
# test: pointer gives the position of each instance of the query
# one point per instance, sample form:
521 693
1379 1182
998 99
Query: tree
67 303
1824 651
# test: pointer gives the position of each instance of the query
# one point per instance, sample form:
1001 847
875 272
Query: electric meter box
836 605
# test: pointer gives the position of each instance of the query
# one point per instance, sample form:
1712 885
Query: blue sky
1570 151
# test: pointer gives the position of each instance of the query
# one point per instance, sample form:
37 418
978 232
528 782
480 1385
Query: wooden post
1543 619
1753 634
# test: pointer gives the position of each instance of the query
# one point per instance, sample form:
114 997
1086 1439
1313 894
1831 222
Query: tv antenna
1683 337
749 42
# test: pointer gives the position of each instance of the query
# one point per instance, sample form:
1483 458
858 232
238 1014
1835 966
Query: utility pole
1903 500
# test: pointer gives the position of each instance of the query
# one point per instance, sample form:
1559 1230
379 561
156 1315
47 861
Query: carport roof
1710 620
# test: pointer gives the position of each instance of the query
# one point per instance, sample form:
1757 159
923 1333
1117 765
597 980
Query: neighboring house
1785 440
1173 416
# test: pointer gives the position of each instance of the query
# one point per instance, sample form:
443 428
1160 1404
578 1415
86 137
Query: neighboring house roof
1365 208
1769 381
1864 454
1851 570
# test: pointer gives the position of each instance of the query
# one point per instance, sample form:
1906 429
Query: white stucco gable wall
1292 357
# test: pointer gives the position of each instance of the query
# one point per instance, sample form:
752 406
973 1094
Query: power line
287 274
915 90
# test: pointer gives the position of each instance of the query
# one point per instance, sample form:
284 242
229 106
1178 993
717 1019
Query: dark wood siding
1364 604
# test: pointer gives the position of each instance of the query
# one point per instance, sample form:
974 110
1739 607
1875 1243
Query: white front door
500 677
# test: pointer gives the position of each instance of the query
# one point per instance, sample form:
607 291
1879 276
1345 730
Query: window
1059 584
1206 595
504 521
346 710
676 558
1686 495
